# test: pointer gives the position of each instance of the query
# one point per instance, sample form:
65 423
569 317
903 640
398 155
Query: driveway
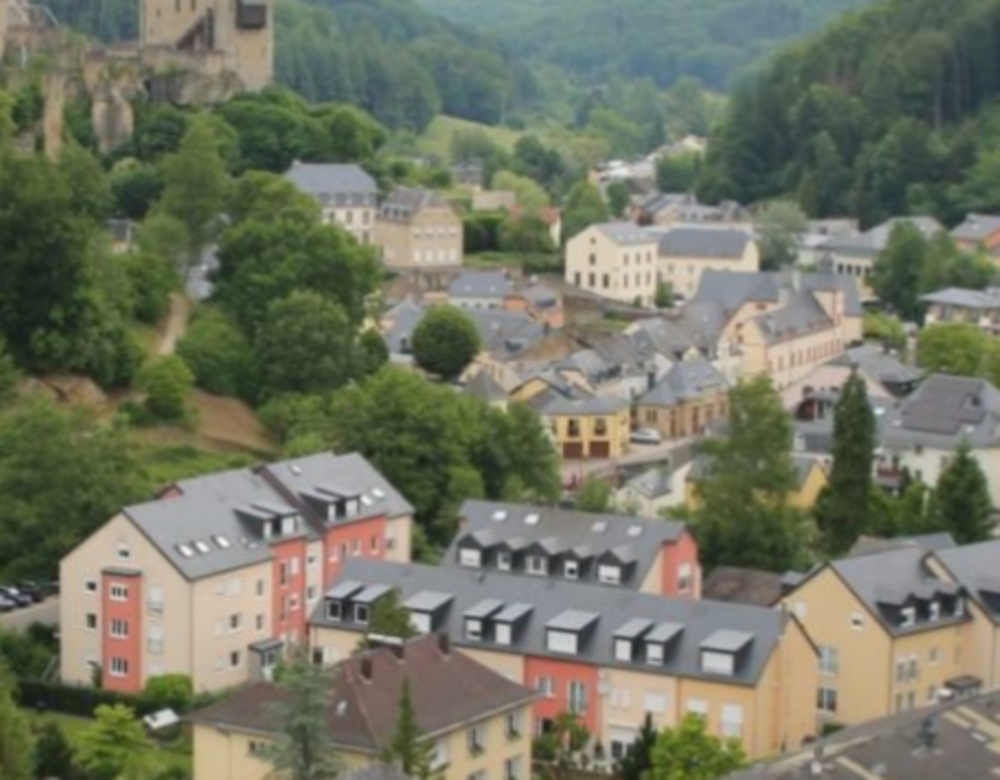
46 613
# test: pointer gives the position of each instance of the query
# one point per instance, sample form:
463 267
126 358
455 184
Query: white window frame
87 621
537 565
655 653
118 667
118 592
571 569
118 629
90 585
827 695
829 661
470 557
713 662
360 609
546 686
475 739
474 629
123 552
565 642
731 721
685 577
576 697
609 574
505 561
656 703
421 622
623 650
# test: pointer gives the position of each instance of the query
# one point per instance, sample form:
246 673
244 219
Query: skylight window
202 547
378 493
366 500
599 527
531 519
500 515
185 550
634 530
221 541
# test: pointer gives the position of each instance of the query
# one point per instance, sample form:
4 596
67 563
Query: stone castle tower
227 35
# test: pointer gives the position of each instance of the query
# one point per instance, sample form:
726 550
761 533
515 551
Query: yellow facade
624 272
688 418
683 274
596 436
803 497
221 753
874 673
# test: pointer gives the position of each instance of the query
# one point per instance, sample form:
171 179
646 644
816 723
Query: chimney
399 650
444 643
366 667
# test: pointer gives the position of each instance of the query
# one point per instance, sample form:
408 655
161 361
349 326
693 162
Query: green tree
619 197
306 346
373 353
53 753
114 747
677 173
962 502
219 354
638 758
594 494
165 237
168 691
743 518
779 225
134 189
530 195
664 296
445 342
305 749
952 348
584 207
525 234
898 270
689 752
844 509
152 278
167 382
407 749
9 374
390 618
194 188
17 756
884 328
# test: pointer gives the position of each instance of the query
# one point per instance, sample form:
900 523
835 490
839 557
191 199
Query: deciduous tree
779 225
114 747
584 207
445 342
167 382
689 752
17 756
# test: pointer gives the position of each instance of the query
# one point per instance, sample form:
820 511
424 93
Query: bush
166 381
73 700
152 278
482 231
28 654
218 353
168 691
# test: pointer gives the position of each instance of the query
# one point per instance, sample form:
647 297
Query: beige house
347 195
239 34
478 719
975 307
690 397
418 229
214 578
890 631
615 260
686 252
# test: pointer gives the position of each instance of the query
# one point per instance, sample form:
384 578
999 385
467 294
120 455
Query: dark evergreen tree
962 498
638 758
408 749
844 509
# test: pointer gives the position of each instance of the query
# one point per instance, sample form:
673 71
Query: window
932 656
537 564
502 633
504 561
514 724
235 621
609 575
571 570
561 642
913 669
829 661
154 640
546 687
623 649
512 768
577 698
421 622
234 658
259 622
655 703
732 720
155 599
908 616
900 670
473 629
122 552
119 667
119 593
260 587
471 558
311 594
826 700
90 586
697 707
684 577
283 573
373 542
716 663
234 586
256 748
935 610
654 653
600 427
476 739
361 614
334 610
90 621
857 621
294 568
119 629
621 699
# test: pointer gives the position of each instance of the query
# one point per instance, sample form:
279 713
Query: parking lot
47 612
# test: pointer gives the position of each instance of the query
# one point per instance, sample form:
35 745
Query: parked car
646 436
32 590
6 605
20 599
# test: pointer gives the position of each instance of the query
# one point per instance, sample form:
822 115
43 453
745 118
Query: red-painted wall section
674 555
121 654
562 674
288 589
358 539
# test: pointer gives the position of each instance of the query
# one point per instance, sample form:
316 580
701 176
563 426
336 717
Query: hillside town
354 427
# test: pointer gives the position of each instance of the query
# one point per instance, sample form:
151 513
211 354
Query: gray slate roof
802 314
625 233
942 411
565 530
699 242
653 482
685 381
872 361
613 607
887 581
404 203
334 184
865 545
592 405
484 386
976 228
224 506
977 568
870 243
988 299
732 289
480 285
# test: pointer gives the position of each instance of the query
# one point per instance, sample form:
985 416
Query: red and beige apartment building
219 573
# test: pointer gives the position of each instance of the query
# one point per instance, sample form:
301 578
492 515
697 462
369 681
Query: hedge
74 700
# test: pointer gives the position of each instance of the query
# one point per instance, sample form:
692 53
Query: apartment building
920 433
615 260
651 556
974 307
347 195
216 576
610 655
890 633
854 253
686 252
691 396
417 228
477 719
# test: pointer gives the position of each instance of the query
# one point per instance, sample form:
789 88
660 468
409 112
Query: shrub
166 382
168 691
218 354
73 700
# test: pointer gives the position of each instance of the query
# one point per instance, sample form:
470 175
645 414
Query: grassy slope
436 140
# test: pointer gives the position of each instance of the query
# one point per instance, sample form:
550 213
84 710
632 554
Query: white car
646 436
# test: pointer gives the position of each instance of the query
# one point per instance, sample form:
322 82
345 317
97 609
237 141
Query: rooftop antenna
928 732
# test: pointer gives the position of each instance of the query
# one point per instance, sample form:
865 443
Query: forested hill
894 109
662 39
391 57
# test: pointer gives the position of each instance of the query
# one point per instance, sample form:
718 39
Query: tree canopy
445 342
962 502
688 752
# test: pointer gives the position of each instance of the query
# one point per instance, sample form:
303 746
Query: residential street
47 613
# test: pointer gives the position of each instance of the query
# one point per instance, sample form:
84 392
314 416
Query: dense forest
892 110
390 57
594 40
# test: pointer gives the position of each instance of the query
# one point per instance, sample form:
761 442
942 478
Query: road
176 325
638 455
47 613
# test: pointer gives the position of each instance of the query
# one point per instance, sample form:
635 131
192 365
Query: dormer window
623 650
934 610
959 610
571 570
654 653
564 631
473 629
361 614
609 574
537 564
334 610
721 651
908 616
504 561
425 609
470 557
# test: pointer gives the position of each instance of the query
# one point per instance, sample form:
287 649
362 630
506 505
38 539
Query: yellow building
478 720
810 479
686 252
597 427
890 633
615 260
417 229
690 397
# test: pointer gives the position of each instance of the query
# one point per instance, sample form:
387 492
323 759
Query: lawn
176 753
436 140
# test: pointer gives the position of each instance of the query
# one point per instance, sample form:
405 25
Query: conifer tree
962 499
844 509
407 748
638 758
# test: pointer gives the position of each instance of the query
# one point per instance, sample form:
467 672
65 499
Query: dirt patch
228 421
68 389
173 327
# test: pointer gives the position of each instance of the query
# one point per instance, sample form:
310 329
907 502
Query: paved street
47 612
639 454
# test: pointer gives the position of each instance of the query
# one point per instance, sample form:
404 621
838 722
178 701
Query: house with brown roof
978 231
478 720
416 228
